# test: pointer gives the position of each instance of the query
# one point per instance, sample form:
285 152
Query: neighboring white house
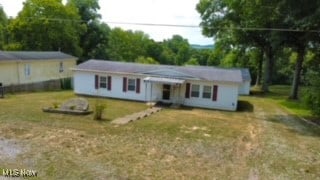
244 88
204 87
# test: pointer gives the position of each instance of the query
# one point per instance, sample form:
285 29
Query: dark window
124 85
187 95
215 93
138 86
103 82
61 67
96 81
131 84
109 83
206 93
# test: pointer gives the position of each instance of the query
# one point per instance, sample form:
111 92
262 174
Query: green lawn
280 94
261 142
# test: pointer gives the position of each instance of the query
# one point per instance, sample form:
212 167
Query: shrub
99 108
312 93
55 105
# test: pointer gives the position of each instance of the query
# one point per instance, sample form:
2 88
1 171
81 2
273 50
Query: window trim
61 67
135 84
192 91
103 80
209 92
27 70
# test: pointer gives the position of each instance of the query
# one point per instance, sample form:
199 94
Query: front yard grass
265 142
280 95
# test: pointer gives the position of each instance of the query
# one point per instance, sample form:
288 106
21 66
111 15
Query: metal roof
33 55
166 71
163 80
245 73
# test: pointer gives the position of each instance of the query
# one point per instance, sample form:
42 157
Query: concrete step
136 116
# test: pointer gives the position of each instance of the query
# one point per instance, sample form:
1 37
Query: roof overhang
162 80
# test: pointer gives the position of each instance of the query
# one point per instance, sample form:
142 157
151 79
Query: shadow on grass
103 120
276 92
296 125
294 104
245 106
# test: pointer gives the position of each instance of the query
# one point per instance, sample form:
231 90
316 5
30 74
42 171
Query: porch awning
163 80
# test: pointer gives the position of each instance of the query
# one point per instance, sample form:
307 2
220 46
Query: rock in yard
79 104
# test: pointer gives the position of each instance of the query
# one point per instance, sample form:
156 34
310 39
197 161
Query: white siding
227 97
84 83
244 88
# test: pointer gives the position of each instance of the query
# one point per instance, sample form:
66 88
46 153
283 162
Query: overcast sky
177 12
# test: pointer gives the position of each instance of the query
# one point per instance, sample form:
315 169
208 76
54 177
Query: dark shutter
109 83
124 85
138 86
187 95
96 81
214 93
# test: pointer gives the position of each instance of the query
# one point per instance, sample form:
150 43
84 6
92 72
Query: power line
185 25
224 28
152 24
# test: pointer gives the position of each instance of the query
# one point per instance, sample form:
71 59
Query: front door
166 92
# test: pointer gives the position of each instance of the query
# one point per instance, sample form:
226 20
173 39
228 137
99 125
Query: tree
302 15
192 61
233 22
3 27
201 55
95 40
167 56
180 47
47 25
312 94
127 45
146 60
154 50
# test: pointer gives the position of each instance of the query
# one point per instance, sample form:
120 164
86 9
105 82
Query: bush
55 105
99 108
66 83
312 93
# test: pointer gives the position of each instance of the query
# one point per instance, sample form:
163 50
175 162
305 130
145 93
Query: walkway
136 116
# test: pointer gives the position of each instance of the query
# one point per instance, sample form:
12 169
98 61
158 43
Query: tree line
278 40
76 28
282 35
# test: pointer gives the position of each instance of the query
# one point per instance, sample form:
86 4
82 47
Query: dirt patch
9 149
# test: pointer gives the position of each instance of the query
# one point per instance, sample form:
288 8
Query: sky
175 12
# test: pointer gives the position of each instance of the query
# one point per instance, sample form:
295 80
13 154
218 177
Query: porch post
179 96
151 92
145 91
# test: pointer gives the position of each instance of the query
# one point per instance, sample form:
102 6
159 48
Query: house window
27 70
61 67
195 90
131 84
103 82
206 93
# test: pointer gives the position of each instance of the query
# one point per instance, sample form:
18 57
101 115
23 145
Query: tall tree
301 15
239 23
127 45
47 25
94 41
180 47
3 27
